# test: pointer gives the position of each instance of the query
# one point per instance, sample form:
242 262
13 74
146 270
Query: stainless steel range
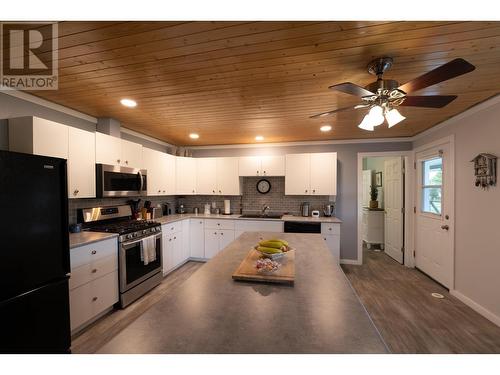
139 246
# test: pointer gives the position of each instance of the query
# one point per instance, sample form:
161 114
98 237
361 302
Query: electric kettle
328 209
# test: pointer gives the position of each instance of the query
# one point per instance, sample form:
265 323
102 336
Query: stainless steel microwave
116 181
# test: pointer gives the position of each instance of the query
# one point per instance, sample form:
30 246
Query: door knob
445 227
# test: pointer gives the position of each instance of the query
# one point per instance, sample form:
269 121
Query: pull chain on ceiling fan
384 95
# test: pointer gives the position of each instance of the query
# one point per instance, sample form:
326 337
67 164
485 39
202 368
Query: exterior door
434 214
393 226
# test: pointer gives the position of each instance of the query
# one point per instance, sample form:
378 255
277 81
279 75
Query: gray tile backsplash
250 200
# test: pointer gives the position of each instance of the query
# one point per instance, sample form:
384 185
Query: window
432 180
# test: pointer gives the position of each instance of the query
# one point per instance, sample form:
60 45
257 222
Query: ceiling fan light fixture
366 124
376 115
393 117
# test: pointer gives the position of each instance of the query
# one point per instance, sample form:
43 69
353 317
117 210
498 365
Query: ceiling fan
384 95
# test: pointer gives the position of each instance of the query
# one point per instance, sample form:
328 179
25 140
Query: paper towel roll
227 206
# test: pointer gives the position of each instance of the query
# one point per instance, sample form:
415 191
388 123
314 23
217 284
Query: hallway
409 319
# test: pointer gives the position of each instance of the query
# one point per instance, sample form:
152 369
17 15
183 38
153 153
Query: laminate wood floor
99 333
409 319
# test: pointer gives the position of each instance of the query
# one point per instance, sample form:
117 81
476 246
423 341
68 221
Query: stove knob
144 231
129 236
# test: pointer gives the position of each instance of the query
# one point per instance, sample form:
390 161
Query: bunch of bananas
273 246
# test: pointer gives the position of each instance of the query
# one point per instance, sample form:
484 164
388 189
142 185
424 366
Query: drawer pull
329 228
93 252
94 299
94 270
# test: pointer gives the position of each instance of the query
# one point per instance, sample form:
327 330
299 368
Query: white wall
477 212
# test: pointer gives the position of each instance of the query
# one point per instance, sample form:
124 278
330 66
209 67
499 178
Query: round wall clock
263 186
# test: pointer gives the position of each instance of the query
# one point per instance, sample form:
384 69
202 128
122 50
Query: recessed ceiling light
194 136
259 138
325 128
128 103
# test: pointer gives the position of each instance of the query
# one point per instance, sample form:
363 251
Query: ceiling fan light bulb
376 115
393 117
366 124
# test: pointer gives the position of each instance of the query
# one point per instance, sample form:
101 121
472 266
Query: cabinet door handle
213 191
257 172
306 190
169 239
118 161
93 252
164 191
264 172
445 227
159 191
329 228
215 233
94 299
76 192
221 233
94 270
220 192
126 161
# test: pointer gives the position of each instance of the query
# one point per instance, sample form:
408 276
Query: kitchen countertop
211 313
85 238
177 217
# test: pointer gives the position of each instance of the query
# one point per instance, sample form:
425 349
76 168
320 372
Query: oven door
116 181
132 268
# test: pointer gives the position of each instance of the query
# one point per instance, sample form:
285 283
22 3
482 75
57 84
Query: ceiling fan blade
445 72
430 101
324 114
352 89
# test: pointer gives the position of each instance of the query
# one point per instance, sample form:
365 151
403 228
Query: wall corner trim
476 307
48 104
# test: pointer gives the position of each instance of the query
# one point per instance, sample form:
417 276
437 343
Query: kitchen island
211 313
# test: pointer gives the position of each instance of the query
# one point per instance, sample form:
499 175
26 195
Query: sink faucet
265 208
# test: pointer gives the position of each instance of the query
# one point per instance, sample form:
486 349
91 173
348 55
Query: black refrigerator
34 255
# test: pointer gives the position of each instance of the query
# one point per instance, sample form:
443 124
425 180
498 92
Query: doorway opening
385 206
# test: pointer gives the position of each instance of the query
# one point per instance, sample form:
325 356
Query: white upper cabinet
37 136
217 176
249 166
228 182
262 166
273 165
131 154
168 173
151 162
160 168
206 176
33 135
108 149
311 174
185 175
81 163
324 174
117 151
297 174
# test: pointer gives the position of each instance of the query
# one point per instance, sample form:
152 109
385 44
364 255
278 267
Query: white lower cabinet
196 238
94 281
241 226
175 245
331 234
216 240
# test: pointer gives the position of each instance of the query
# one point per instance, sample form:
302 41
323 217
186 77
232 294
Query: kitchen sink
261 216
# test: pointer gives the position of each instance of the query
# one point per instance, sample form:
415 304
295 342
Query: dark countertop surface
211 313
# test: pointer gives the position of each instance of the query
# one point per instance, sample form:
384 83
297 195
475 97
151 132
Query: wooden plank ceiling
231 81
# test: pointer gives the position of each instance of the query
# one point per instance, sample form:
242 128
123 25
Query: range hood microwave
116 181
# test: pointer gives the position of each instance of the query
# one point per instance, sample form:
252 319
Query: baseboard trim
351 261
476 307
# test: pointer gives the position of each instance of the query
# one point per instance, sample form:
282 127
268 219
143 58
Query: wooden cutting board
284 275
